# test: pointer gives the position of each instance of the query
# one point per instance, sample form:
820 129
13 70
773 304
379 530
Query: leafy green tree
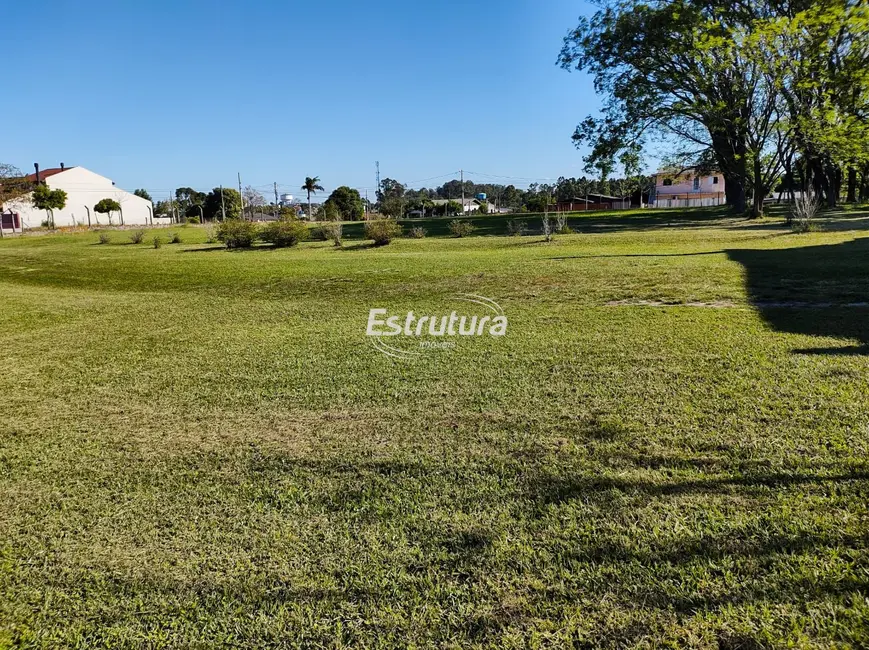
348 202
143 194
217 199
107 206
45 198
390 189
312 186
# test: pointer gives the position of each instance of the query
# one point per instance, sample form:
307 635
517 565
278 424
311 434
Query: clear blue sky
167 93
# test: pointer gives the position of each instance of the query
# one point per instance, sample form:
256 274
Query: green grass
199 447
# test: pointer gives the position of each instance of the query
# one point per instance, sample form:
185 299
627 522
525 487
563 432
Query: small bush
565 230
235 233
801 217
516 227
158 241
332 231
284 233
104 238
137 236
193 220
417 232
382 231
45 224
176 239
459 228
210 234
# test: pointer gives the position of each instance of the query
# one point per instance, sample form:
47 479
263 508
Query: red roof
45 173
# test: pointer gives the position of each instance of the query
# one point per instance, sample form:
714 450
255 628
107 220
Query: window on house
696 182
715 180
668 182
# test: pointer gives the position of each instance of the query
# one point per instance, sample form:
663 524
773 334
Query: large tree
218 199
672 67
312 186
143 194
348 202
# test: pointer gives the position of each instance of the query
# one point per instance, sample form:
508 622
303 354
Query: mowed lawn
669 448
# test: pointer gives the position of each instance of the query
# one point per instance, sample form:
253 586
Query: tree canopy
744 85
348 203
231 200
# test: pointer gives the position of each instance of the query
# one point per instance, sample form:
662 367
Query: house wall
685 185
84 189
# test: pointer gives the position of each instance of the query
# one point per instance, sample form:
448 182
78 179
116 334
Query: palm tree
312 186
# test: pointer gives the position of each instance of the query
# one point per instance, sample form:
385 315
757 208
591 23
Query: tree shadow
812 290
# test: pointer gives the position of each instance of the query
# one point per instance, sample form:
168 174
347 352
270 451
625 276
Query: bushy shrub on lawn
460 228
137 236
330 231
176 238
382 231
158 241
516 227
284 233
193 220
417 232
104 238
235 233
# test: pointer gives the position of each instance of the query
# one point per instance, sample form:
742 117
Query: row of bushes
243 234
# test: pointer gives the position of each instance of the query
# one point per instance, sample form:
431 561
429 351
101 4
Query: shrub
210 234
332 231
193 220
565 230
235 233
104 238
803 212
176 238
137 236
382 231
516 227
158 241
417 232
318 234
284 233
459 228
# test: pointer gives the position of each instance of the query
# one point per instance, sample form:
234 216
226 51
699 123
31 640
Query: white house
469 205
84 189
686 188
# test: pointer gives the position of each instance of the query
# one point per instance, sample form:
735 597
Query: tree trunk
759 193
852 185
734 192
310 216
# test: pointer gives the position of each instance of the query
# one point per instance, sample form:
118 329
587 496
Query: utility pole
172 214
222 205
276 199
377 187
240 195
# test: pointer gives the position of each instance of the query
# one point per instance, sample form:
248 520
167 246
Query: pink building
683 188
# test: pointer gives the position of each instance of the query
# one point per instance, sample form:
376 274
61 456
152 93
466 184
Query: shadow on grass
594 257
812 290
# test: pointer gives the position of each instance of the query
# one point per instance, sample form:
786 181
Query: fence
688 203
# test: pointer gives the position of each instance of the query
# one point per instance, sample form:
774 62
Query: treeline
769 93
394 199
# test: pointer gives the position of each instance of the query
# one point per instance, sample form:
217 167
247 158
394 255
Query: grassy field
670 447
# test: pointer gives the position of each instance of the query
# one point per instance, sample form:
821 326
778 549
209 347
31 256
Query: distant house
684 188
84 189
592 202
469 205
